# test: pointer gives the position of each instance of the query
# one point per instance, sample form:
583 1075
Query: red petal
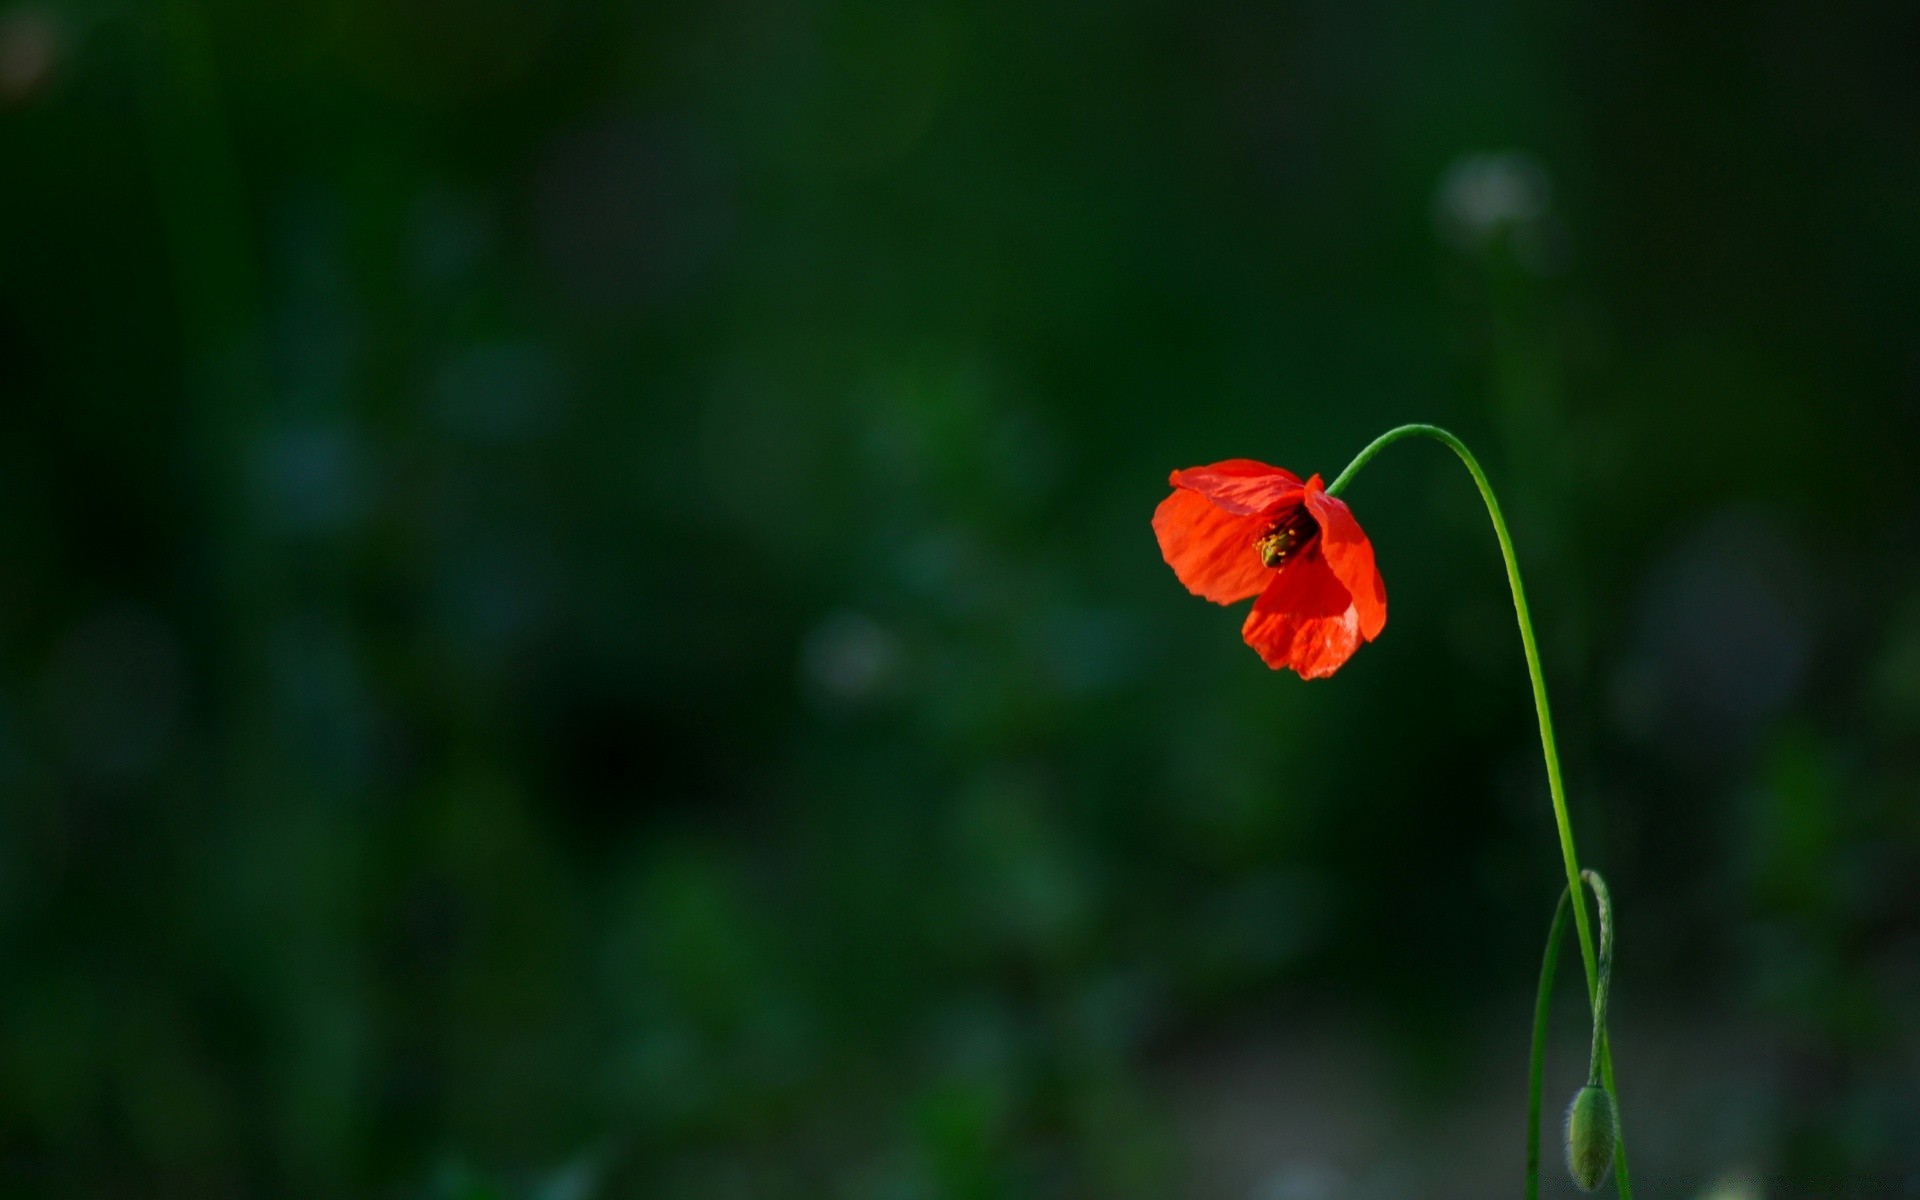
1304 620
1241 485
1350 554
1209 548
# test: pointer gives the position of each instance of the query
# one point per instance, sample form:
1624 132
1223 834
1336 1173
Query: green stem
1549 968
1548 748
1536 1064
1603 904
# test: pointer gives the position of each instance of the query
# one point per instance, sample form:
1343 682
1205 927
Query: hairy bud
1591 1124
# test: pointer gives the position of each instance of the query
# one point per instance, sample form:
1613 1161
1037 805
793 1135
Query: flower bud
1591 1124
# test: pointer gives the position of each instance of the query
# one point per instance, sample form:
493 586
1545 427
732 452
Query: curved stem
1569 858
1549 967
1603 903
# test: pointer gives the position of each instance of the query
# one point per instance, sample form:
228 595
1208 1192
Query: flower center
1287 537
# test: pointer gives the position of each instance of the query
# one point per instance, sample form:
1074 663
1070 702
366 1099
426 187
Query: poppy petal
1305 620
1210 549
1349 553
1241 485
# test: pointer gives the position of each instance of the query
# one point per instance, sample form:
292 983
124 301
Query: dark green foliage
576 598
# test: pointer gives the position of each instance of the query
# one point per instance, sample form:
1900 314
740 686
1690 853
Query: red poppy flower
1242 528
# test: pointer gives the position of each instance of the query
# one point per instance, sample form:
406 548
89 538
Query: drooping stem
1549 968
1548 748
1603 904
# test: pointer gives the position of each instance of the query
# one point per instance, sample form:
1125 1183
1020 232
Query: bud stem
1549 967
1569 859
1604 903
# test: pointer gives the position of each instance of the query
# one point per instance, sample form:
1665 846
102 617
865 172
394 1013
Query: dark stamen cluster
1288 536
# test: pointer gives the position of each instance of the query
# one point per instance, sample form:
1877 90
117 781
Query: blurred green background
577 617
